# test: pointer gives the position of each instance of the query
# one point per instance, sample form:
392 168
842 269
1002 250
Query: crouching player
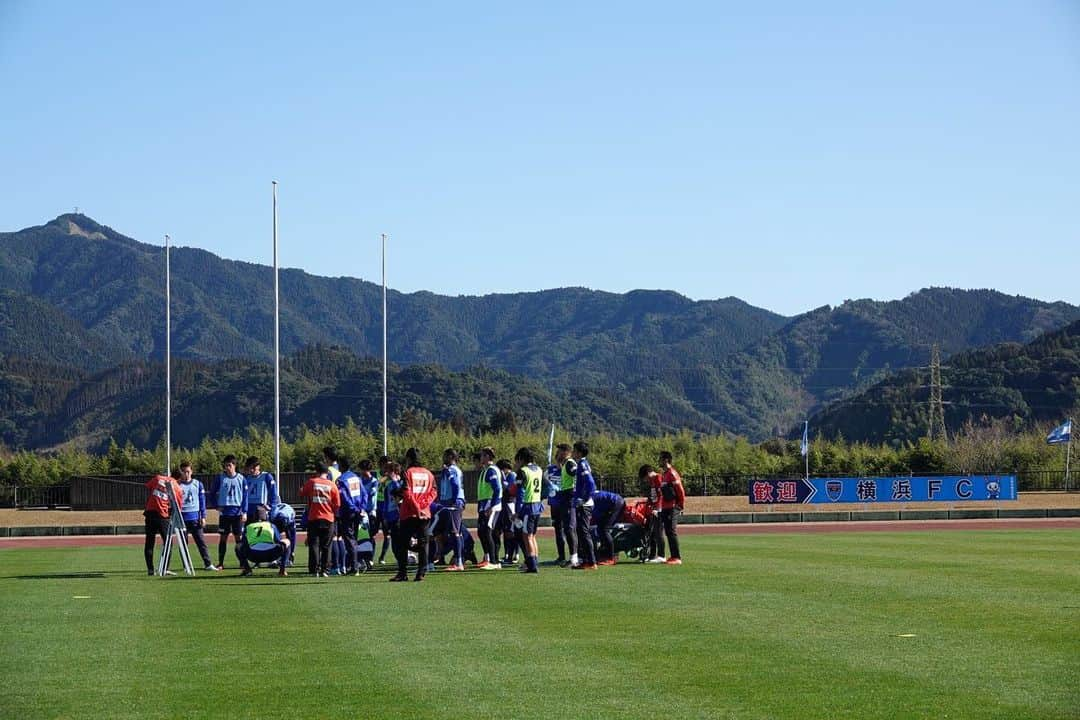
607 510
283 517
530 505
262 542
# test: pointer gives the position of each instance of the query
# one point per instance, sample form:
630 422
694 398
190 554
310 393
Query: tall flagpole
385 425
1068 456
168 364
277 351
806 446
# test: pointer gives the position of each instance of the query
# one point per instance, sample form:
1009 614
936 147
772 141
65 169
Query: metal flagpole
384 352
1068 456
277 351
168 364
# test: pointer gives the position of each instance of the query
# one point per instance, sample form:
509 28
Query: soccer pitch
968 624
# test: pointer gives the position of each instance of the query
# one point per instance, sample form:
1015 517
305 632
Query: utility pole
937 407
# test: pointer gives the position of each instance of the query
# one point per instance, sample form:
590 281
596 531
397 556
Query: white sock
574 559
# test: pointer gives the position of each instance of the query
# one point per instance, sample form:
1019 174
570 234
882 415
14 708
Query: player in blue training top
261 487
504 529
352 512
229 496
488 506
284 518
391 488
584 487
193 508
447 523
607 510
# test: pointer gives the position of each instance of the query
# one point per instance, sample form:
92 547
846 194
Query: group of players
419 515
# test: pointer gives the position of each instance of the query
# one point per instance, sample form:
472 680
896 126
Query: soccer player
193 508
488 501
262 489
654 528
452 502
607 510
284 517
157 513
330 459
672 502
390 487
323 503
584 487
563 518
505 527
416 493
530 505
229 495
262 543
351 514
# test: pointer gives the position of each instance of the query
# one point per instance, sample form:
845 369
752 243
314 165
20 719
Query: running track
734 529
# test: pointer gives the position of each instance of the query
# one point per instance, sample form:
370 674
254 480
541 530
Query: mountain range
82 339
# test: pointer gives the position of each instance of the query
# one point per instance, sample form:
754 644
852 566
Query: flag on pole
804 448
551 443
1061 434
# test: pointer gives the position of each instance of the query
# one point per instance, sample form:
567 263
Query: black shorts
266 556
529 523
231 524
448 522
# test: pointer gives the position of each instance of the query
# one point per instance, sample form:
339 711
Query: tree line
988 446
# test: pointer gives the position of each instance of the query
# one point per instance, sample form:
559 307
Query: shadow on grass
60 576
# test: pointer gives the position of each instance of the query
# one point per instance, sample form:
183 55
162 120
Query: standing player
672 502
330 459
653 528
452 502
261 488
505 526
584 487
229 496
193 508
351 513
323 503
530 505
607 510
417 492
389 513
488 500
563 518
158 509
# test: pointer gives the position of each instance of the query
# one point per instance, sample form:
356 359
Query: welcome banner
902 489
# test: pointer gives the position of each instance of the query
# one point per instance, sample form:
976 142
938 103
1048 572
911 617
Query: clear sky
789 153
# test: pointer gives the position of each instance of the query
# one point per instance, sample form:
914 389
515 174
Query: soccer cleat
283 573
589 566
246 573
150 572
213 568
169 572
656 561
418 578
483 564
673 561
609 561
454 568
399 578
490 566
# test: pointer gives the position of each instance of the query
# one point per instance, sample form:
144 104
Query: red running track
85 541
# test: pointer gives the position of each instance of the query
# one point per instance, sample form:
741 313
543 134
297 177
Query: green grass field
776 626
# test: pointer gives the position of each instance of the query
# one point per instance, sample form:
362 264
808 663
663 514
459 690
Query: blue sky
791 154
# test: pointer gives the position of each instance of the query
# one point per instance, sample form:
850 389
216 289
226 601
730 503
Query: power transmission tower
937 407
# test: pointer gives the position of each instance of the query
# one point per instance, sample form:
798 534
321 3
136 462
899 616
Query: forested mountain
80 298
46 406
1026 384
113 286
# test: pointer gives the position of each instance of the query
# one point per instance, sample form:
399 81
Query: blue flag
805 447
1061 434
